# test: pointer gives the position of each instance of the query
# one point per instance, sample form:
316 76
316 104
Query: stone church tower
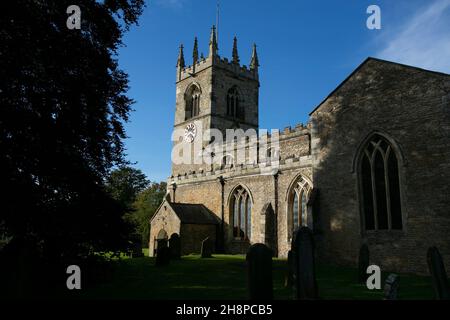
214 93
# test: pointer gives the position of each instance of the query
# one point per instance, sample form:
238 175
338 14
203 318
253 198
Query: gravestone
290 270
438 274
259 268
391 287
162 253
137 250
304 276
363 263
175 246
207 248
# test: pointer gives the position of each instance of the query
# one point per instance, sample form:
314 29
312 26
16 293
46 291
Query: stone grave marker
391 287
162 253
259 268
305 284
137 250
175 246
207 248
438 274
290 270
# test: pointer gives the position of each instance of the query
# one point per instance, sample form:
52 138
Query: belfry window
298 205
241 209
380 186
192 102
233 104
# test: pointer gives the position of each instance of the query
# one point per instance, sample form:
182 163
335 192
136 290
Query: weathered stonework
408 106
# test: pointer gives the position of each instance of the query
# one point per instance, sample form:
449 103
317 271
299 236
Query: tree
125 183
145 206
63 103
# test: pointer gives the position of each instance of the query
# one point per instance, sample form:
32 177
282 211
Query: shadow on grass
225 277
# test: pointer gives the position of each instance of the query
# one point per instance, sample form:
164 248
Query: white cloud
423 40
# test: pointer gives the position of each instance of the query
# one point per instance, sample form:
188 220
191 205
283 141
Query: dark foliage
63 101
125 183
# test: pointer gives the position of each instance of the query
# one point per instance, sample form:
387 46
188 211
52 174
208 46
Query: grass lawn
225 277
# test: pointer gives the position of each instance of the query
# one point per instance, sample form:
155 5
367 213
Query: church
371 166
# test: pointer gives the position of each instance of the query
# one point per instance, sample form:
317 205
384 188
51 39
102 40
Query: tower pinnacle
195 52
213 48
180 61
254 63
235 51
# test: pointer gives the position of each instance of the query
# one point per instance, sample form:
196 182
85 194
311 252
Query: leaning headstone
290 270
391 287
162 254
438 274
305 284
259 266
363 263
175 246
207 248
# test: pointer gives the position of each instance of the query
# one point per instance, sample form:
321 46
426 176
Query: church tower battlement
215 93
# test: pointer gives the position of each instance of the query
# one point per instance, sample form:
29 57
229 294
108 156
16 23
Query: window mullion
245 217
374 190
388 192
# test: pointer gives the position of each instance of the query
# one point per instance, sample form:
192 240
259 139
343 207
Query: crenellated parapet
213 58
275 149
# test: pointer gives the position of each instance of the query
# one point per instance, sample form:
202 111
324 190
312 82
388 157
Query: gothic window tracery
241 208
380 186
192 102
298 205
233 104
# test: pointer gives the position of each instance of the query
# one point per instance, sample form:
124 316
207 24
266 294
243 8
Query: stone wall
205 188
192 236
164 219
411 107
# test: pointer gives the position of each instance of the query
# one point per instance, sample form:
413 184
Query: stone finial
254 63
195 52
180 61
213 48
235 51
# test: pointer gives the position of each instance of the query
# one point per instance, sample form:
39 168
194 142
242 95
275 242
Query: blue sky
305 48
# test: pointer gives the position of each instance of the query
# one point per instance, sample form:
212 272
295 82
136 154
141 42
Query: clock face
190 132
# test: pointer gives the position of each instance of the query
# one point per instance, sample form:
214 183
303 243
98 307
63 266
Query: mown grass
225 277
